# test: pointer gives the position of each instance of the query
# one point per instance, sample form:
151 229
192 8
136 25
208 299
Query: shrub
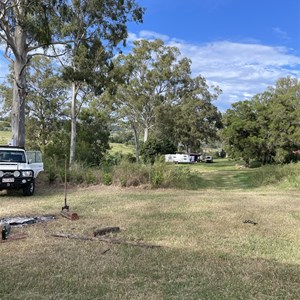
287 175
131 174
157 174
107 178
181 178
153 148
255 164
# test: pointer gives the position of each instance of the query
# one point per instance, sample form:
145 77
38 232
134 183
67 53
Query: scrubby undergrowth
163 175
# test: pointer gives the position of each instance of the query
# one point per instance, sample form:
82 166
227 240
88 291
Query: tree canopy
158 93
267 127
28 25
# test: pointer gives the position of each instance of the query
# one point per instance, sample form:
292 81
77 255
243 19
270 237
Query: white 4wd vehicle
19 168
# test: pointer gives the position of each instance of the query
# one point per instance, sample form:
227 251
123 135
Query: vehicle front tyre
29 189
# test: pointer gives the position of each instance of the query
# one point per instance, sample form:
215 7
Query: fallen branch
105 239
131 243
74 236
15 237
106 250
250 222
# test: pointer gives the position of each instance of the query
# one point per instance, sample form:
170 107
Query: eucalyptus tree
196 119
25 27
29 25
153 74
96 29
46 105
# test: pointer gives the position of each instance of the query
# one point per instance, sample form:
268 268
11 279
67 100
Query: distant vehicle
208 159
195 157
178 158
19 169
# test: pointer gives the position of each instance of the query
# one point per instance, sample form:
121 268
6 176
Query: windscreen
12 156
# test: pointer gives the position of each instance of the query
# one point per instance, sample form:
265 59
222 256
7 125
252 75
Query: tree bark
73 123
146 133
136 142
19 87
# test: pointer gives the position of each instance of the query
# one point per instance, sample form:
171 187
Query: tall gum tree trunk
146 133
136 142
19 88
73 124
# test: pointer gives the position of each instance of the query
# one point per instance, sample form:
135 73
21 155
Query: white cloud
147 35
241 70
280 33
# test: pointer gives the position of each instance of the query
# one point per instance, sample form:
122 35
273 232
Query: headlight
17 173
27 173
1 174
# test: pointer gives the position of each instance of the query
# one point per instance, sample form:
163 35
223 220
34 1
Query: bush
107 178
153 148
287 175
131 174
181 177
255 164
125 173
157 174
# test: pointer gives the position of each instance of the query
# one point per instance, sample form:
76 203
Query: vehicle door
35 161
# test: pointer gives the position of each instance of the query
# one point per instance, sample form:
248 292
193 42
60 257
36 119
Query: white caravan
178 158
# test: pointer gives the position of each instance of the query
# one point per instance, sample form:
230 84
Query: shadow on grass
154 274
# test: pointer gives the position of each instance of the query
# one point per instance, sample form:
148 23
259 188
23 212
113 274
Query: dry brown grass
207 251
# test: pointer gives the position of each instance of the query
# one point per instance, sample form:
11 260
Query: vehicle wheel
29 189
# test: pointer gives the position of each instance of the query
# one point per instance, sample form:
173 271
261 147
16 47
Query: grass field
223 174
207 251
4 137
122 148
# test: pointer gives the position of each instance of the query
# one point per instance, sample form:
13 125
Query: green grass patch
223 174
286 176
4 137
121 148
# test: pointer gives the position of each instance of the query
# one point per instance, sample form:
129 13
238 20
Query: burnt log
104 231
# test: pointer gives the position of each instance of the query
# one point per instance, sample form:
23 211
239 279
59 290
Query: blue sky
243 46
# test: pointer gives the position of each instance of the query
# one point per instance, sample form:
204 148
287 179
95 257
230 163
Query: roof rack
9 146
